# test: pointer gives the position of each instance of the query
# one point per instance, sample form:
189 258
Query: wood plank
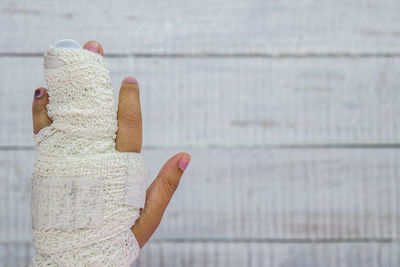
236 102
208 254
279 255
206 27
284 194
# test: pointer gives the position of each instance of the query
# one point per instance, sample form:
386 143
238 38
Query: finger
158 196
129 134
39 110
94 46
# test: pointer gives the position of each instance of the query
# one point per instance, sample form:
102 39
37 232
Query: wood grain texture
211 254
206 27
231 80
257 194
236 102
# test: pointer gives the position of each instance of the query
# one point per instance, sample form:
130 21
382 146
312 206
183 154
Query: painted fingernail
92 46
183 163
129 79
38 93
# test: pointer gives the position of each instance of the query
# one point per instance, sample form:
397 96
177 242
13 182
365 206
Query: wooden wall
289 109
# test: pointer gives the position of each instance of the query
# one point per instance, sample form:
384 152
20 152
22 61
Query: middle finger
129 134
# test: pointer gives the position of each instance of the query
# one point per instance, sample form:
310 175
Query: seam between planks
226 55
275 146
254 240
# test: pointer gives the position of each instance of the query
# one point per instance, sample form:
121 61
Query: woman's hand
129 139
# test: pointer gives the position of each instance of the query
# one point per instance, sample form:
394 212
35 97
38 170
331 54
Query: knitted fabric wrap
85 195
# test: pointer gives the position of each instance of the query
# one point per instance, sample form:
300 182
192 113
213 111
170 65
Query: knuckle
131 117
170 186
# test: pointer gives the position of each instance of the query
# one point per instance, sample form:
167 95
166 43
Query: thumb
158 196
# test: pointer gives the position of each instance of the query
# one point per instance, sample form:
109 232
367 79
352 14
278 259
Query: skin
129 139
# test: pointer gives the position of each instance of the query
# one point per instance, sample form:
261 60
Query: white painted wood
16 254
209 26
237 74
280 194
210 254
271 255
236 102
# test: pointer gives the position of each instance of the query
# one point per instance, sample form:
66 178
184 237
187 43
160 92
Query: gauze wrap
85 195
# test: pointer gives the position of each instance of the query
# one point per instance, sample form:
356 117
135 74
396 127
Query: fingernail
183 163
38 93
93 46
129 79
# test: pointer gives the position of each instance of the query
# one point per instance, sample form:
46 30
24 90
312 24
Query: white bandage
85 195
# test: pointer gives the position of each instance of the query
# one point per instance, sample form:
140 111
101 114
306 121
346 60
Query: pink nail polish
183 163
94 47
129 79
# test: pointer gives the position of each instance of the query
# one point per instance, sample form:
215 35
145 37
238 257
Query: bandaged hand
89 201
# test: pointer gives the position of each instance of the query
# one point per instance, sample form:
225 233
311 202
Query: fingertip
94 47
177 164
129 79
185 154
184 161
39 93
39 110
40 100
129 84
176 158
